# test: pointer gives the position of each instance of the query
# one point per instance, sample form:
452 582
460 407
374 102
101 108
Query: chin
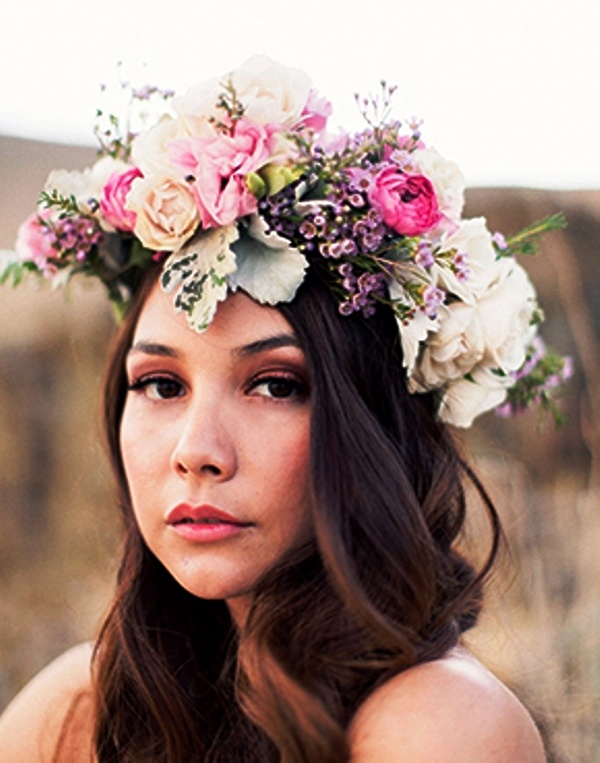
215 587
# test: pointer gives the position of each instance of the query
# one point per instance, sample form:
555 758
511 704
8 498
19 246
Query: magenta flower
407 203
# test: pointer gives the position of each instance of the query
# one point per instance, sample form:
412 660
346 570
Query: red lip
183 513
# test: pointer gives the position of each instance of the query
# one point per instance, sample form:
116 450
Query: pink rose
216 167
34 242
407 203
222 201
114 196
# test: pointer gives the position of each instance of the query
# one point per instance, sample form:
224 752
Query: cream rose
453 351
448 181
272 93
496 331
465 399
505 312
166 212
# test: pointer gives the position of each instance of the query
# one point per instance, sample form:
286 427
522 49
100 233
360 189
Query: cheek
140 450
289 483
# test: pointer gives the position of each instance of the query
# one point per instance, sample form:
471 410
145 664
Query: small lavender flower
535 354
536 381
424 254
432 297
460 266
400 157
500 241
143 93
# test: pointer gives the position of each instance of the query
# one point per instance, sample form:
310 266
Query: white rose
167 215
448 181
453 351
496 330
150 149
466 399
85 186
473 239
270 91
505 312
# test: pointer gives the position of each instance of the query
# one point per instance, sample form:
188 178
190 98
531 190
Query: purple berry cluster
341 229
72 238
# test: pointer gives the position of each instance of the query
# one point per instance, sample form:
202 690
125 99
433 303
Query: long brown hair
378 589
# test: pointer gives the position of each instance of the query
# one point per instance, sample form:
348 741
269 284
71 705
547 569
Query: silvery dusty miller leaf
198 274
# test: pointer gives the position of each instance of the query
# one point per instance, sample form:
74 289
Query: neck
239 606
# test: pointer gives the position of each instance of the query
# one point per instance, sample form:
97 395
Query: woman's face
215 443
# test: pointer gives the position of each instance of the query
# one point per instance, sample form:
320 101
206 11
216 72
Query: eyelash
142 384
296 388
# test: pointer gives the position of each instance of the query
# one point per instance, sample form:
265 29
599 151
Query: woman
290 587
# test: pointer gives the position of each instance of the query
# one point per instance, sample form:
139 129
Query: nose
205 446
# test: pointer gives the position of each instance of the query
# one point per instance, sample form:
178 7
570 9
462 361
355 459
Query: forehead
239 320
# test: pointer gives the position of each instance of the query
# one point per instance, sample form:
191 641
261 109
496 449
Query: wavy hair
379 588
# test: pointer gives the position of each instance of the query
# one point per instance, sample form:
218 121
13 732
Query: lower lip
204 532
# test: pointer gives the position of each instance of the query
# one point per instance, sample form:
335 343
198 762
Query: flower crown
242 188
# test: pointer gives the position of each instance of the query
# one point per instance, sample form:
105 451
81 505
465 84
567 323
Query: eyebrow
269 343
154 348
246 350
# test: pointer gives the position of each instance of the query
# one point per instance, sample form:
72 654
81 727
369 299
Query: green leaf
525 242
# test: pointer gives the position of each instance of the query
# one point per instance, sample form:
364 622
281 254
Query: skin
223 419
219 419
451 710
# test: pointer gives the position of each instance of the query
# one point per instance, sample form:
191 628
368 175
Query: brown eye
280 387
158 388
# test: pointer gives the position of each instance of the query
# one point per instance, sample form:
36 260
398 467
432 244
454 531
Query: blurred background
509 91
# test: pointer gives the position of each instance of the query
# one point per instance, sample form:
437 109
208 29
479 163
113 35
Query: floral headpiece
242 188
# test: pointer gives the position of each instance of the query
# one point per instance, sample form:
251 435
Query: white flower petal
448 181
467 398
412 333
473 239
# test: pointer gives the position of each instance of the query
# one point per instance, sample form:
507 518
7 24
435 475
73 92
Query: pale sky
507 88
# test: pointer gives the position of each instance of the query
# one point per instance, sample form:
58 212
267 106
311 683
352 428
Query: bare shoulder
50 719
450 710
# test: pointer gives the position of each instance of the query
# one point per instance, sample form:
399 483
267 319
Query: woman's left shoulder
447 710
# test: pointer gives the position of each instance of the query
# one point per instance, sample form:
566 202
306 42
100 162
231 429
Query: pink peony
34 242
114 196
407 203
217 165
